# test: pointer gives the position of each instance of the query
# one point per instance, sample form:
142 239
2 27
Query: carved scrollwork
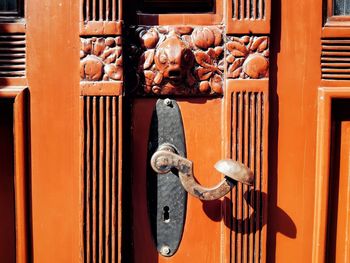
101 59
179 60
247 57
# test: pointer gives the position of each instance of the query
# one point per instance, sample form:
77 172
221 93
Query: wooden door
223 97
262 82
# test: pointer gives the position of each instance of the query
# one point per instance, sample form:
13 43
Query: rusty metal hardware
166 158
170 177
166 198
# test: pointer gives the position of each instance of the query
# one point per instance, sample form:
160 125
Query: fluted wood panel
100 178
248 17
100 10
335 59
248 9
12 55
248 135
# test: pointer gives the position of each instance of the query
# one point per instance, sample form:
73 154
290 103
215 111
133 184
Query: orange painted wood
13 81
22 180
101 178
246 126
7 189
243 18
93 28
19 27
343 220
338 247
299 137
52 30
201 241
322 191
16 168
101 88
294 78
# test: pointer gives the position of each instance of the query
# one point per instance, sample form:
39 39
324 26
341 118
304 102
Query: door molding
19 96
323 151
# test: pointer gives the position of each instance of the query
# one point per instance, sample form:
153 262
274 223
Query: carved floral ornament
101 59
247 57
180 60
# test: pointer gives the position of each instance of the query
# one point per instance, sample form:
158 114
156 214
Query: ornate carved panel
101 59
178 60
101 87
247 57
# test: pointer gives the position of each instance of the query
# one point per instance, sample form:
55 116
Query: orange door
264 83
214 64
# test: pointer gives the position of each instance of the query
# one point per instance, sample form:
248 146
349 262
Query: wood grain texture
100 178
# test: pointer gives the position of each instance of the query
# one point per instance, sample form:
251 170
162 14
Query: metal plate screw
165 250
168 102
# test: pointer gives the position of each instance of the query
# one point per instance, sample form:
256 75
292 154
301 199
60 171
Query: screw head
168 102
165 250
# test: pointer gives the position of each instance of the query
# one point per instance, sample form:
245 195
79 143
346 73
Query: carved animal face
174 59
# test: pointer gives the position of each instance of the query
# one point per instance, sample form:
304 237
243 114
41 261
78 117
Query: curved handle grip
165 158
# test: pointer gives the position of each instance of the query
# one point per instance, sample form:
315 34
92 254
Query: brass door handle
166 158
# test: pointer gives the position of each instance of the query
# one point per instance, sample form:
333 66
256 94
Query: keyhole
166 217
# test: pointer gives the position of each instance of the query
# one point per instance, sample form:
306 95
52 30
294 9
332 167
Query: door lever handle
166 158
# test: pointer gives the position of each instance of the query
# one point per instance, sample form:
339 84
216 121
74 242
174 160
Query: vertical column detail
248 9
100 10
100 178
247 133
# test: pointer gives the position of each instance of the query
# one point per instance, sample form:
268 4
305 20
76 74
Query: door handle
166 158
170 177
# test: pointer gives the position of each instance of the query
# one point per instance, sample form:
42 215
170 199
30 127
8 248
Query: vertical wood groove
94 181
234 157
100 168
261 9
252 166
107 181
248 9
100 175
245 187
100 10
87 166
114 179
258 174
247 125
239 185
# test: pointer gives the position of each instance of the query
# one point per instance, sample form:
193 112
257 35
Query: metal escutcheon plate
166 197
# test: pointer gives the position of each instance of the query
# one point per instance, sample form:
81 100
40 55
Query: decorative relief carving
101 59
247 57
179 60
